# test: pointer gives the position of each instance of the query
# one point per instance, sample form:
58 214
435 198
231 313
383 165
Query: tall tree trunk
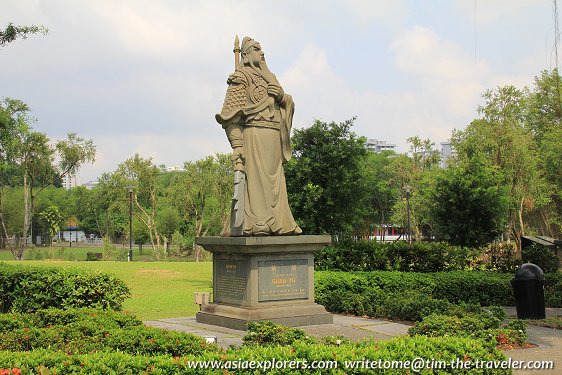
26 217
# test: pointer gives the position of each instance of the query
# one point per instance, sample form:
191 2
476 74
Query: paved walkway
549 340
351 327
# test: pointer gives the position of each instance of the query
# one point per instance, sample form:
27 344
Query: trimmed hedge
397 349
408 295
24 288
393 256
86 330
482 324
104 319
87 342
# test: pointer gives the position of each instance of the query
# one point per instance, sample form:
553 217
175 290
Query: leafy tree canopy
324 180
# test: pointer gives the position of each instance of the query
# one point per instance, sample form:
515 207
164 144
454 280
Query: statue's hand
238 158
275 91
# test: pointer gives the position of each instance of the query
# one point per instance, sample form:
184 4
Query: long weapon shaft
236 51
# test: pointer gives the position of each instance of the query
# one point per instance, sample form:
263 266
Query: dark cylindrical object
528 289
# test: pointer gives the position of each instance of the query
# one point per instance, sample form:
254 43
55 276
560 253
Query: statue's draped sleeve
232 114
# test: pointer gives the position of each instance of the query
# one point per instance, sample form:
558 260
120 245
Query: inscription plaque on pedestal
284 279
231 279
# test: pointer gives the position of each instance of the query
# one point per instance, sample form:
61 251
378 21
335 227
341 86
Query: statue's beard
266 73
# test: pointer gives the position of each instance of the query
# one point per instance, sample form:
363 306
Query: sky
147 77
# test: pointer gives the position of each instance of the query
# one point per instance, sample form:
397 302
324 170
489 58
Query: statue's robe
261 124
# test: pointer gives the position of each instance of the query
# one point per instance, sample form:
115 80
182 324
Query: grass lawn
159 289
62 251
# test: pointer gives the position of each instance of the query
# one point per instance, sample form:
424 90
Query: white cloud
392 14
443 69
489 12
168 149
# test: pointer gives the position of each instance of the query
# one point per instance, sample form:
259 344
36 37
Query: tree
544 121
11 32
202 194
411 174
141 174
30 155
14 124
469 206
380 195
168 223
501 137
53 218
140 233
324 181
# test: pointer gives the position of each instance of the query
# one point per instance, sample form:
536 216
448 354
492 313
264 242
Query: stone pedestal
263 278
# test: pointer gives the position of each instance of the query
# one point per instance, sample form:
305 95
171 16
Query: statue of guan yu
257 116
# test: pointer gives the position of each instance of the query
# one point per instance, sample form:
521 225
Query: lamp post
407 189
130 258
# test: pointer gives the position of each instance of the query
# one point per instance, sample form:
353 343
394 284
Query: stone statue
257 116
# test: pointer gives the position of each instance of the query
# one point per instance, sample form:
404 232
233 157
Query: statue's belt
264 124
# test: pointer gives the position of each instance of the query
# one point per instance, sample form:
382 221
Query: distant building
90 185
177 168
69 181
446 153
376 146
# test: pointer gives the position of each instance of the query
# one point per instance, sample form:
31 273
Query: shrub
412 306
484 288
483 325
553 289
269 333
393 256
541 256
87 330
397 349
24 288
107 319
108 249
468 325
92 256
409 295
501 256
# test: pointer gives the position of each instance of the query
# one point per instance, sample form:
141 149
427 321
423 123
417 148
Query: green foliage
324 178
11 32
398 349
179 243
412 306
467 325
408 295
393 256
75 151
33 288
541 256
553 289
517 133
380 196
469 206
29 156
168 221
501 256
269 333
53 218
93 256
411 175
108 249
482 324
87 330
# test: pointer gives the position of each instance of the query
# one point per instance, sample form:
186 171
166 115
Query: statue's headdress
247 43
